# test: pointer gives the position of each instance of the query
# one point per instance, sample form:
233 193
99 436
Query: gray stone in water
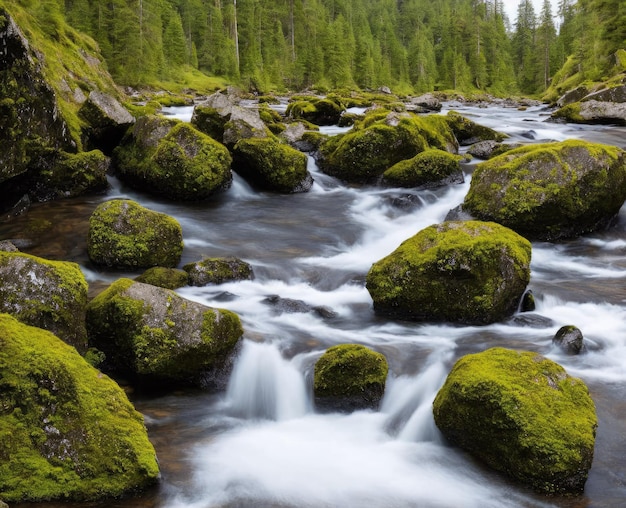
570 339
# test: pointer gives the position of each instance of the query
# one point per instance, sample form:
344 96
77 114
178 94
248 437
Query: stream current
259 442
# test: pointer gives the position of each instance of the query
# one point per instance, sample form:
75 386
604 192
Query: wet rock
124 234
427 102
483 149
287 305
349 377
244 123
269 164
531 320
7 246
428 169
74 435
528 302
168 278
217 271
522 415
157 337
468 132
465 272
552 190
47 294
318 111
108 121
569 339
173 159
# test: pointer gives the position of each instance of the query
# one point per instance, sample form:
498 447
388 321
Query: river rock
349 377
8 246
550 191
468 132
522 415
271 165
483 149
318 111
217 271
173 159
426 102
67 431
428 169
107 121
244 123
155 336
570 339
571 96
124 234
47 294
381 140
168 278
466 272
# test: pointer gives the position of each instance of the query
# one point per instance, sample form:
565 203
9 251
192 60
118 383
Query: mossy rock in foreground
47 294
67 431
550 191
467 272
124 234
272 165
155 336
173 159
431 168
521 414
349 377
217 271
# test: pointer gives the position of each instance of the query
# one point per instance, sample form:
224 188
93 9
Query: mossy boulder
592 112
521 414
107 121
124 234
47 294
467 272
272 165
155 336
168 278
319 111
173 159
550 191
431 168
349 377
67 431
381 140
468 132
217 271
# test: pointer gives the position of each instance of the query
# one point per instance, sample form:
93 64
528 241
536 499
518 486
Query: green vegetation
66 430
467 272
123 233
523 415
217 271
350 376
430 168
168 278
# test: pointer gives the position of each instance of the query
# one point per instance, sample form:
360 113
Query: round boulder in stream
124 234
349 377
217 271
521 414
466 272
550 191
154 335
431 168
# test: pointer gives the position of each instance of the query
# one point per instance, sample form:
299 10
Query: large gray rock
47 294
550 191
465 272
153 334
521 414
108 121
606 106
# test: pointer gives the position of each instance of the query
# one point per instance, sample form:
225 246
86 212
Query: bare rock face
108 121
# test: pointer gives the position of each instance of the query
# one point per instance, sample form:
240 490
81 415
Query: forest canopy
408 45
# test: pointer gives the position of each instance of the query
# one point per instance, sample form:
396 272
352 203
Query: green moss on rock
523 415
319 111
217 271
67 431
174 160
272 165
168 278
430 168
48 294
349 377
552 190
467 272
469 132
123 234
154 335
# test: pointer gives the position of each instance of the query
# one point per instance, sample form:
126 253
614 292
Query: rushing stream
260 443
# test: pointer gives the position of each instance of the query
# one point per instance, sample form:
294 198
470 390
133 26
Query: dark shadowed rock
108 121
569 339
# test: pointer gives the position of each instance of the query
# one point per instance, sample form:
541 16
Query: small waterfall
408 402
264 385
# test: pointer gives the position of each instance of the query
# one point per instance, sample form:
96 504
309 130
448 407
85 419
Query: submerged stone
67 431
521 414
349 377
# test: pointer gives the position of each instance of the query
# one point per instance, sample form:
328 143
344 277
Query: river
259 442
